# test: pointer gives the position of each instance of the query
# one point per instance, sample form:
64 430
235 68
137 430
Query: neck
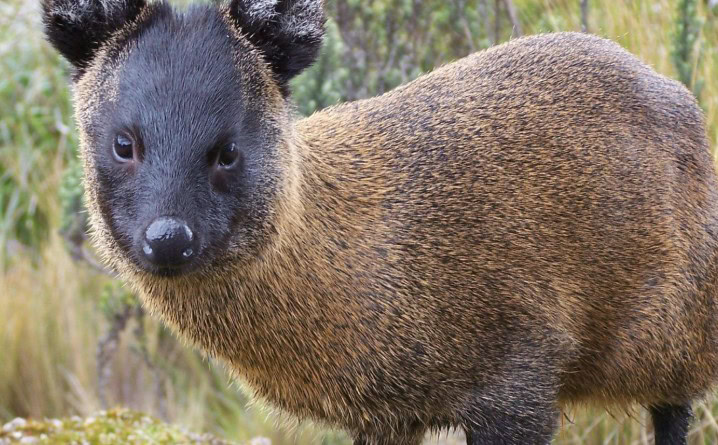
299 313
273 298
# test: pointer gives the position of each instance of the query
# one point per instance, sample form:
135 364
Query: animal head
184 123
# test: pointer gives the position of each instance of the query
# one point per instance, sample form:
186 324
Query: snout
169 243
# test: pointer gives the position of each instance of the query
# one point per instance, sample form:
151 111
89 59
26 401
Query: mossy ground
117 426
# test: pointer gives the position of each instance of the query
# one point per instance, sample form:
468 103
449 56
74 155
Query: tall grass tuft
685 45
36 134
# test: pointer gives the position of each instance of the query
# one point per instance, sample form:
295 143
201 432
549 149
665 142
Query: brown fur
533 225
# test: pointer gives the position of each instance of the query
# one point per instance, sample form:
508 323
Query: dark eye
228 156
123 148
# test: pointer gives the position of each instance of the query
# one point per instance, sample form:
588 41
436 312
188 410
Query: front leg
389 437
519 407
520 424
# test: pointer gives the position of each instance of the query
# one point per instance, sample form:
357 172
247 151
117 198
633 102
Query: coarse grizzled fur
533 226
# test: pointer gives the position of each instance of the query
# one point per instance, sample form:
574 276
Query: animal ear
78 28
289 33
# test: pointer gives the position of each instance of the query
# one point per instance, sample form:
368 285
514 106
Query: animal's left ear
289 33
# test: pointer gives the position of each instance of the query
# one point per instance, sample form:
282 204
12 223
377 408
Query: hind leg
670 423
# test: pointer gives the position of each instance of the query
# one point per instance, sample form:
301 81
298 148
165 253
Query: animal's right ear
78 28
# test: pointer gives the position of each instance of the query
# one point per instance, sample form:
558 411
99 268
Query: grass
50 306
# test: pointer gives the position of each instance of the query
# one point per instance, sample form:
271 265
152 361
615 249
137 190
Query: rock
14 425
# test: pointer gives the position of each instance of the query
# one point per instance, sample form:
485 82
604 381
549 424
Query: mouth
166 271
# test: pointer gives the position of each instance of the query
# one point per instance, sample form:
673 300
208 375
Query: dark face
183 157
184 124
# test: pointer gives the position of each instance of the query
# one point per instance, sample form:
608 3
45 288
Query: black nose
169 242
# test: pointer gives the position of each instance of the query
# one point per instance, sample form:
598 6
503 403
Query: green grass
51 311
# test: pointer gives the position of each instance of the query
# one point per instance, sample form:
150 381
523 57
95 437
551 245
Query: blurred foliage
686 52
372 47
36 137
22 220
320 86
71 200
115 298
73 339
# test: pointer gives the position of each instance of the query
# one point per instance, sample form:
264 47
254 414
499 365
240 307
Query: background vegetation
72 340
